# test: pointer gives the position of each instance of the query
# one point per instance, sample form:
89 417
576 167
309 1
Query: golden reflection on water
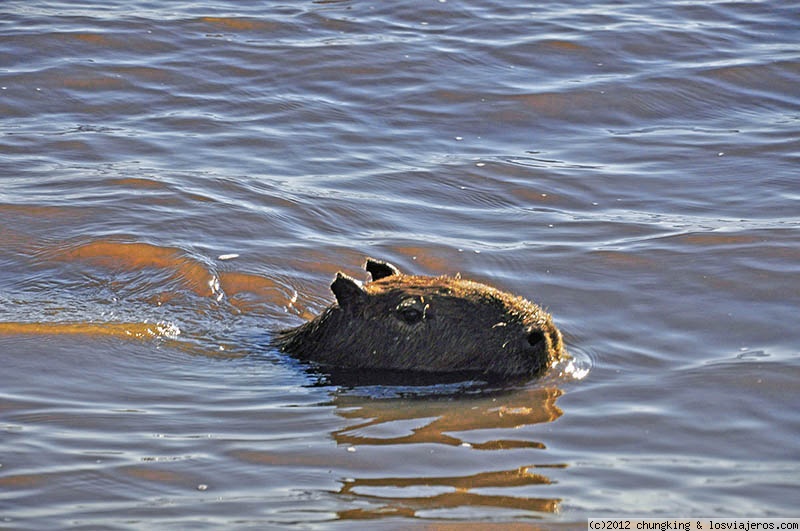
22 481
460 494
138 256
165 333
242 293
238 24
406 496
122 330
522 408
439 419
193 273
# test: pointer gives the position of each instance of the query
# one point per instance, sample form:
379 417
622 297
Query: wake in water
138 291
191 303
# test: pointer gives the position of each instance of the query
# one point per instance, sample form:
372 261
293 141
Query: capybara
443 324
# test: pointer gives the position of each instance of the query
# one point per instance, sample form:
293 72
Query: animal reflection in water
459 493
383 427
500 412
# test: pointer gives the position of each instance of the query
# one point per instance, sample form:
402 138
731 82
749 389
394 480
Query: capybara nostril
535 338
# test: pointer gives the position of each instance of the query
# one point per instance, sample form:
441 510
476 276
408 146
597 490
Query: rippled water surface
180 179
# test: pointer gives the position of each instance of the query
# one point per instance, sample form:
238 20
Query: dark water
177 179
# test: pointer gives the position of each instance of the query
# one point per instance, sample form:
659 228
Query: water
179 180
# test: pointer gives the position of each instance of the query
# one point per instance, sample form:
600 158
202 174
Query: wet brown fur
430 324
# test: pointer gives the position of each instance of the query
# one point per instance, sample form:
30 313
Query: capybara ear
379 269
347 290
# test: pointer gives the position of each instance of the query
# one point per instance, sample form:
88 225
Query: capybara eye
411 310
535 337
410 315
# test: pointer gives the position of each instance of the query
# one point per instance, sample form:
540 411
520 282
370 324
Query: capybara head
431 324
